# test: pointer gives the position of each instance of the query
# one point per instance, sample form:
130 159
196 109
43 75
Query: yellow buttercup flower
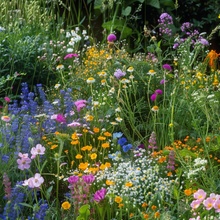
118 199
66 205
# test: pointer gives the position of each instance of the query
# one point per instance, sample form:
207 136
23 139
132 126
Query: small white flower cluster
140 181
197 167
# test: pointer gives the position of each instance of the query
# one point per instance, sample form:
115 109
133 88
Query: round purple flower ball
111 38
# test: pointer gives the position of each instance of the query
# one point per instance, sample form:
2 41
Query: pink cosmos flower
100 195
80 104
70 55
23 162
34 182
195 204
111 38
200 195
208 203
5 118
37 150
217 205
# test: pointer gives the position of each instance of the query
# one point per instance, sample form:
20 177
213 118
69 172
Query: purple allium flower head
119 73
99 195
167 67
153 97
111 38
73 179
158 92
70 55
88 178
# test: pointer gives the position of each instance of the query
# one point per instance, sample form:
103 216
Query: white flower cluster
140 181
197 167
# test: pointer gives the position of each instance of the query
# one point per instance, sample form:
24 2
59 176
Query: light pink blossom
23 162
200 194
37 150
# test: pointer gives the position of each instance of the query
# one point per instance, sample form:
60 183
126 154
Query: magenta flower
73 179
99 195
60 118
37 150
111 38
70 55
23 162
158 92
167 67
7 99
153 97
119 73
80 104
88 178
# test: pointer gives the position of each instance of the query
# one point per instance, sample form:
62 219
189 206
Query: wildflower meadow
115 122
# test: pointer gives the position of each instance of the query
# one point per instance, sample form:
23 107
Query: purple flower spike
73 179
88 178
167 67
100 195
153 97
111 38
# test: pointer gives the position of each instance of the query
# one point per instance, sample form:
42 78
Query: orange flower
144 205
120 205
105 145
153 207
79 156
96 130
107 164
93 156
188 192
88 148
128 184
118 199
162 159
75 142
156 215
107 134
53 146
109 182
101 138
212 58
83 166
66 205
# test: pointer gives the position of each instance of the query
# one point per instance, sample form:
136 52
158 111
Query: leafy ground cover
114 135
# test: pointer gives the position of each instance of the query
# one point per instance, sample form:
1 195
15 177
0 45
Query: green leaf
25 204
153 3
168 3
118 25
48 192
126 11
83 209
97 4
